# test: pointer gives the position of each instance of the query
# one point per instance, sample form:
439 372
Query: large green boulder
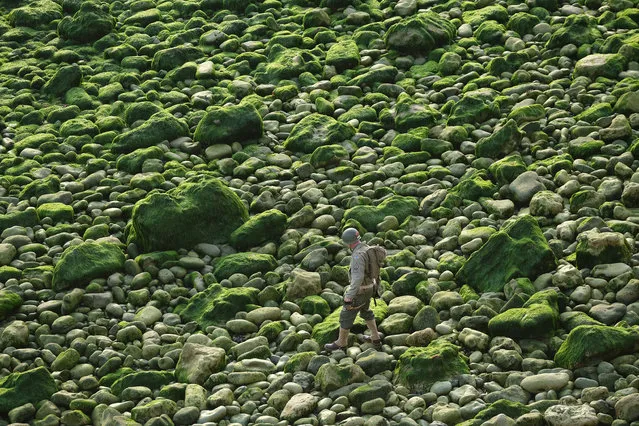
519 249
522 23
287 63
316 130
343 55
91 22
595 248
422 32
26 218
592 343
266 226
502 142
244 263
420 367
9 302
327 330
200 210
476 17
31 386
473 109
174 57
39 13
153 380
577 29
217 304
133 161
607 65
505 170
370 216
410 113
225 125
539 317
331 377
474 186
81 263
160 127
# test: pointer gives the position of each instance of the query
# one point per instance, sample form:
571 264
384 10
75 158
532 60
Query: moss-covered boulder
230 124
81 263
286 63
160 127
327 330
370 216
328 155
217 304
410 113
607 65
132 162
473 109
266 226
58 212
594 248
519 249
36 14
197 362
174 57
201 209
539 317
331 377
592 343
595 112
153 380
522 23
527 113
31 386
422 32
505 170
343 55
489 13
473 187
244 263
316 130
502 142
28 217
9 302
91 22
577 29
418 368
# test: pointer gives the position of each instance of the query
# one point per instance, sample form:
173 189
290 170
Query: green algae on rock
201 209
216 304
423 32
266 226
151 379
594 248
9 303
316 130
91 22
419 367
519 249
502 142
230 124
160 127
538 317
81 263
592 343
31 386
370 216
244 263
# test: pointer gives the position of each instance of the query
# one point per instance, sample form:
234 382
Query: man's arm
357 277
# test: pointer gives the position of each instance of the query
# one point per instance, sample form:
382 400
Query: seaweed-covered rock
153 380
474 186
216 304
594 248
370 216
91 22
538 317
577 29
489 13
490 32
65 78
502 142
197 362
590 343
9 302
522 23
59 212
132 162
506 170
81 263
418 368
245 263
519 249
422 32
343 55
201 209
600 65
36 14
410 113
472 109
286 63
328 155
266 226
173 57
316 130
31 386
331 377
160 127
230 124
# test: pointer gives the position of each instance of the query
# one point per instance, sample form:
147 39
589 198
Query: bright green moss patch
9 302
57 211
266 226
229 124
539 317
150 379
419 367
161 126
369 216
316 130
591 343
217 304
245 263
81 263
31 386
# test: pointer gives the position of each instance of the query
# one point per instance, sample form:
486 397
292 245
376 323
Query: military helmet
350 235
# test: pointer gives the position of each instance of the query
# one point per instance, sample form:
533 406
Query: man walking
358 294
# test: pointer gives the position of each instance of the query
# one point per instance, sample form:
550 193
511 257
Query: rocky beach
175 177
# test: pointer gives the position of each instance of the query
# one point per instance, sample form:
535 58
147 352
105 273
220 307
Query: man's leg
372 326
346 320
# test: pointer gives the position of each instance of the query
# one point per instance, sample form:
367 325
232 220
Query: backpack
375 256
